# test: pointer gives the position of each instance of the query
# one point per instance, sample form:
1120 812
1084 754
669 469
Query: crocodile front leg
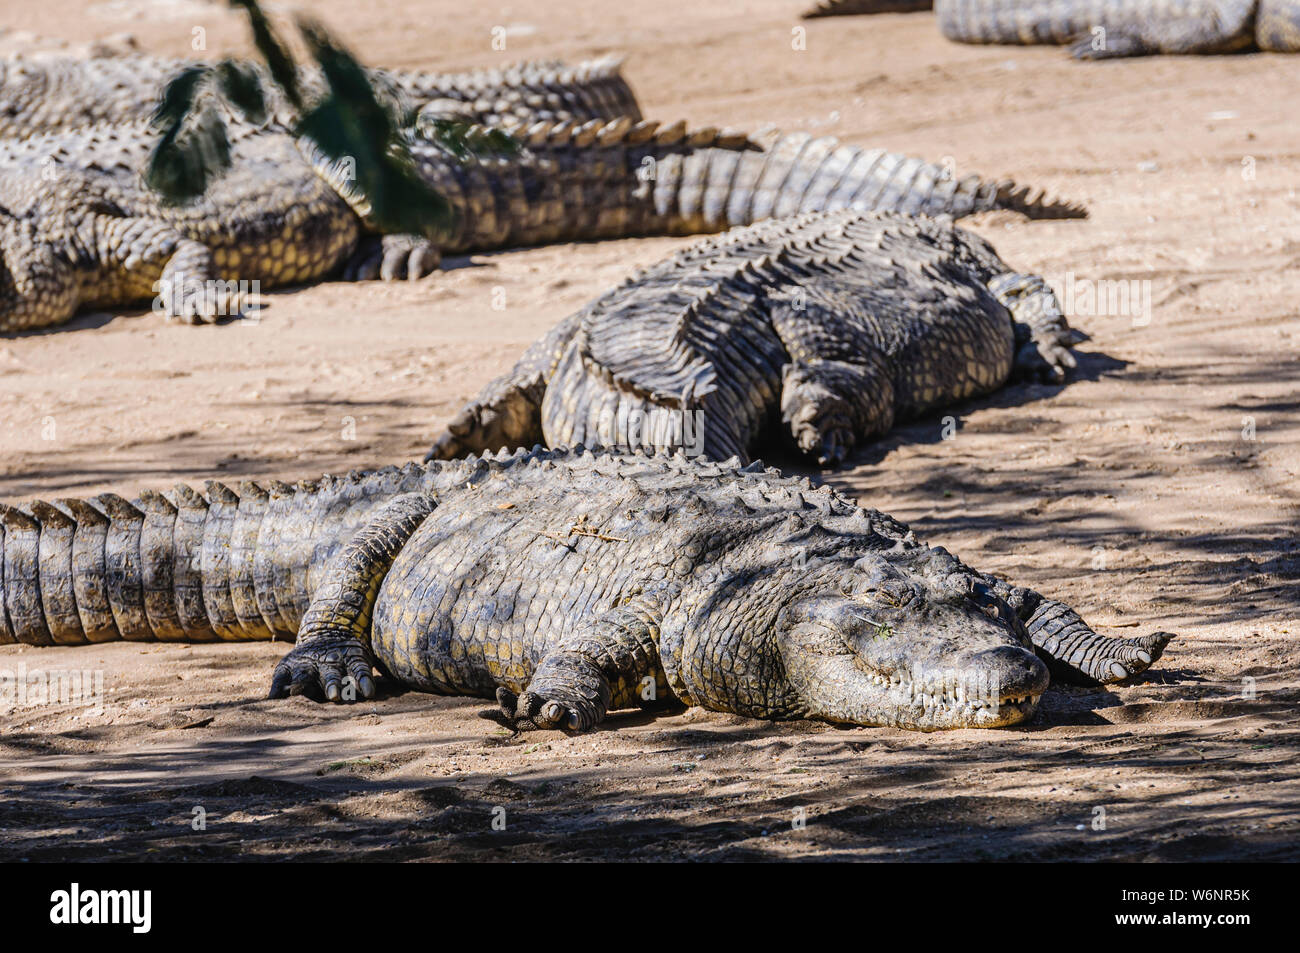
392 258
1043 337
1072 650
837 389
334 638
602 666
142 255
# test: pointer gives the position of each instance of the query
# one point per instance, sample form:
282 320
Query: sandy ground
1156 490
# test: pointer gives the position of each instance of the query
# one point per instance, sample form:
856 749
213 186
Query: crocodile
63 93
567 584
846 8
1115 28
78 227
820 330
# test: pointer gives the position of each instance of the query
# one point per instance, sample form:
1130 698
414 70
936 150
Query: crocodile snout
1012 673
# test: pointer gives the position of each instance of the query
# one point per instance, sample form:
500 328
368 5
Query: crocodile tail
1034 204
529 91
1013 21
799 173
568 182
604 180
181 566
845 8
1277 26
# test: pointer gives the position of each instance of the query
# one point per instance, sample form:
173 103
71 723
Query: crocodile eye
995 608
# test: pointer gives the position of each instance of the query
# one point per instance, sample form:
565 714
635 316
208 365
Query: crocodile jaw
943 700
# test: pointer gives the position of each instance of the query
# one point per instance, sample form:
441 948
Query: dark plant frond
276 54
188 156
350 124
355 125
241 87
178 96
466 140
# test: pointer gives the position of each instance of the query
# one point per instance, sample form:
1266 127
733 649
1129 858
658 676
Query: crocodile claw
392 258
1045 361
324 669
530 712
1134 656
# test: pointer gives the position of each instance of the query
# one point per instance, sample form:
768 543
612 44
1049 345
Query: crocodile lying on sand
830 326
568 584
78 227
1102 29
62 93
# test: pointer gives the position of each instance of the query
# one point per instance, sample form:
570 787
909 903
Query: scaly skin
1103 29
63 93
567 584
82 229
834 324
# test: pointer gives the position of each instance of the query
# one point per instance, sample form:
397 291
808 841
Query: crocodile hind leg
37 286
507 414
1217 26
610 663
1043 337
1072 650
333 645
837 389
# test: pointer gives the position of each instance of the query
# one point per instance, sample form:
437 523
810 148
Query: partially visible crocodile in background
53 93
568 584
824 329
1102 29
80 228
846 8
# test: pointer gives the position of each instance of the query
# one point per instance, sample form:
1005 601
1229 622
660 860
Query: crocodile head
910 643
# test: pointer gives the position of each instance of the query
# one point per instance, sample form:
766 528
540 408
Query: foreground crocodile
831 325
1102 29
63 93
79 228
568 584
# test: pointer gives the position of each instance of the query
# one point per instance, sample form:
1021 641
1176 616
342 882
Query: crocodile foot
392 258
529 712
325 668
824 430
204 303
1124 658
833 446
1044 360
1101 660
